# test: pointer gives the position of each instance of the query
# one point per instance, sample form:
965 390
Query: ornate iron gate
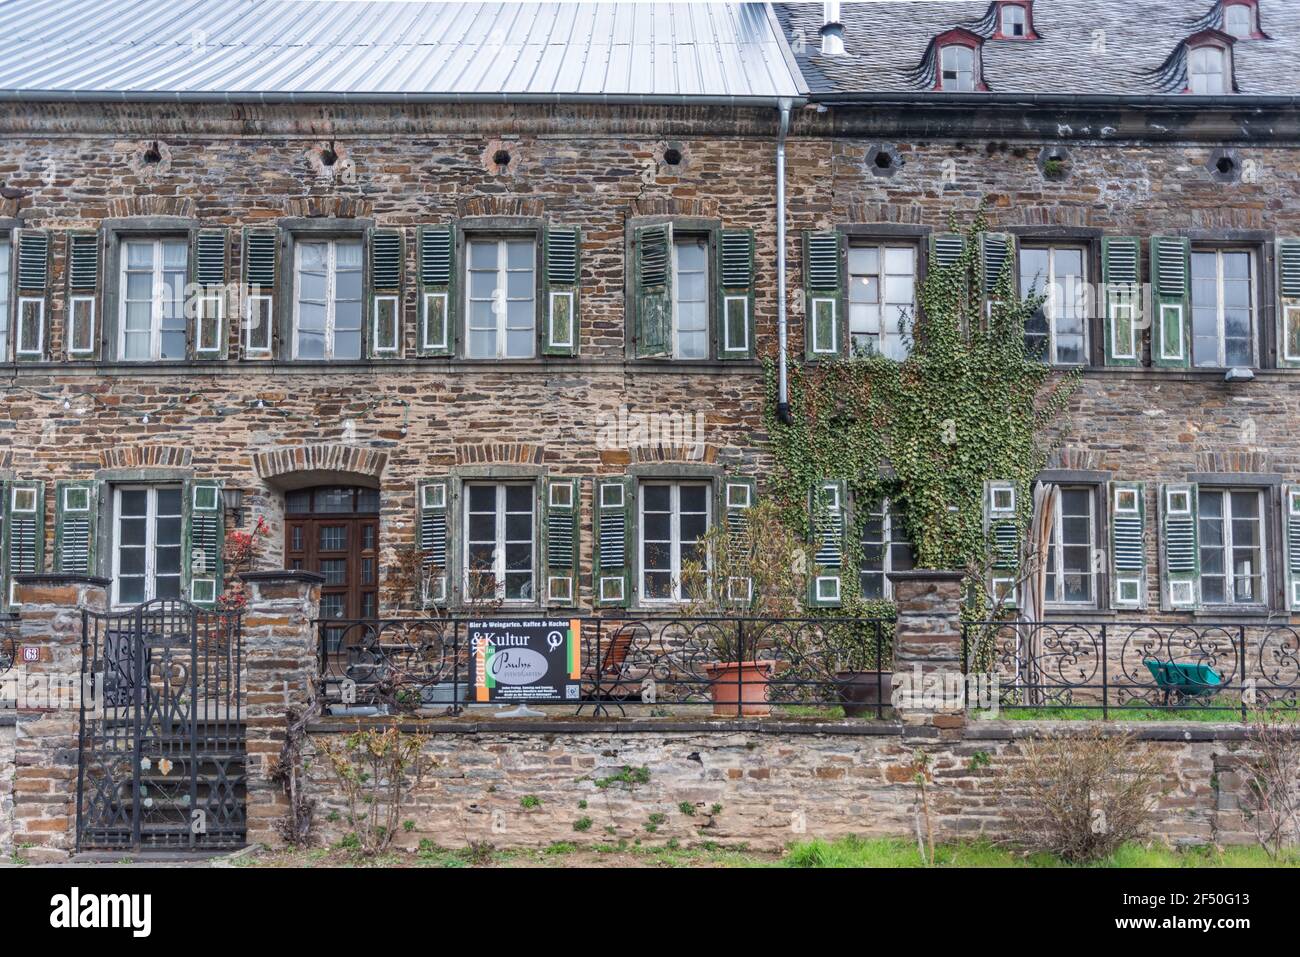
162 761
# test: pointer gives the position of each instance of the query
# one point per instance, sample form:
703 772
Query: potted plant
864 681
755 572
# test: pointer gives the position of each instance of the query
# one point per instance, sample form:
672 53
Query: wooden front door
335 531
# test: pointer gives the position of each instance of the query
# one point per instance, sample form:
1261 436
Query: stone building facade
425 222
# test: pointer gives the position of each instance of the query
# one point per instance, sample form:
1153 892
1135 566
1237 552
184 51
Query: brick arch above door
303 466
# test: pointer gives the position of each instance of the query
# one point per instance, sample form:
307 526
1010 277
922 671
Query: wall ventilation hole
884 160
328 157
153 155
501 158
1225 165
672 156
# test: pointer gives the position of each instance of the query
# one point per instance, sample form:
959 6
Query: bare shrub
378 769
1273 785
1082 795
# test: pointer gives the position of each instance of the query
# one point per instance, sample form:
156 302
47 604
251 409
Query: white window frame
957 49
202 316
1049 304
1232 10
500 294
1056 546
675 542
1176 309
1227 518
1198 87
31 506
39 302
88 316
677 242
7 319
380 348
156 304
331 292
499 542
151 541
1129 505
882 275
253 303
1008 22
1220 305
1290 315
1125 301
559 295
887 554
427 301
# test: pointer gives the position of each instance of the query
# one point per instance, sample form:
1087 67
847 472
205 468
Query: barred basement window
146 543
1231 525
152 314
499 542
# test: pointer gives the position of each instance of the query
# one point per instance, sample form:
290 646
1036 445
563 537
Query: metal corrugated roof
382 49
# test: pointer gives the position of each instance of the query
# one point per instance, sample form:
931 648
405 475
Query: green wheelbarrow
1183 679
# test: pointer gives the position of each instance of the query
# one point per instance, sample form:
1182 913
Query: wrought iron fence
738 666
1131 666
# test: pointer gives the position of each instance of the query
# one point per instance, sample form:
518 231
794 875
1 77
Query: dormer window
1239 21
957 69
1014 23
1208 71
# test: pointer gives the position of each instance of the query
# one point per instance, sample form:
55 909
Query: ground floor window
885 549
1071 572
1232 546
146 543
499 542
674 517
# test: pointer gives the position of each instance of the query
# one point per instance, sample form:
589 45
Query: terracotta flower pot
751 694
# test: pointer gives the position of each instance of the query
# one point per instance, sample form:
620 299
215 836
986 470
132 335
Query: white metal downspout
783 390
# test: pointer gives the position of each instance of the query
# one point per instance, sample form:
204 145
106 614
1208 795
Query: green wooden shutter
560 498
946 249
1002 533
823 334
30 332
208 332
562 246
76 518
1121 276
204 538
1179 547
653 278
997 251
433 535
82 333
260 263
739 495
1288 316
615 540
1291 544
829 523
1128 557
24 532
736 294
1170 265
437 254
384 323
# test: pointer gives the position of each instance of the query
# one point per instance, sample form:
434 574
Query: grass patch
810 711
1209 713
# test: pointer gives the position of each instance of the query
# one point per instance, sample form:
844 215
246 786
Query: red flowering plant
241 552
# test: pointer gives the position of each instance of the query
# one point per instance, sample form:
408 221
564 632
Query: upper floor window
957 69
152 319
6 250
1058 330
690 297
1239 20
1071 578
327 300
882 298
1014 22
674 517
500 303
1208 70
1223 308
1231 527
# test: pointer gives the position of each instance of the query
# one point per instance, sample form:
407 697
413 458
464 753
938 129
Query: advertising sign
527 660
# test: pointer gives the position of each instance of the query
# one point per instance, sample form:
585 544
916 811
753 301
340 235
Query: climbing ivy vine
968 405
